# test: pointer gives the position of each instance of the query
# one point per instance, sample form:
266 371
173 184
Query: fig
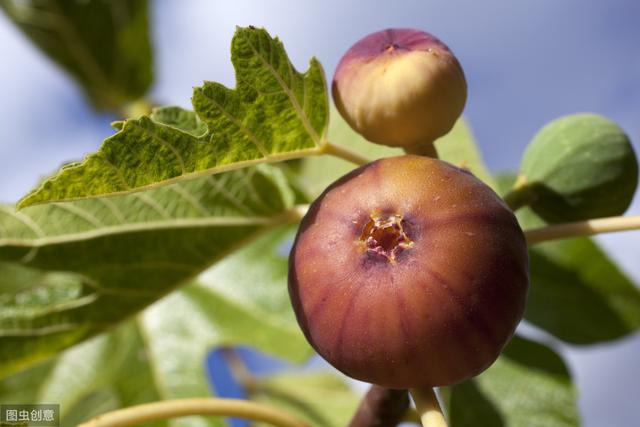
579 167
409 272
400 87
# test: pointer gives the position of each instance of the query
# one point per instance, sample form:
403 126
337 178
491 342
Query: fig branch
582 228
163 410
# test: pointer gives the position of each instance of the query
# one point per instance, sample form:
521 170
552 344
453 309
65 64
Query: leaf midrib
289 155
142 227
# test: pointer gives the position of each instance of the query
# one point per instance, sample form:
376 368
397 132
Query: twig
582 228
428 407
344 153
187 407
381 407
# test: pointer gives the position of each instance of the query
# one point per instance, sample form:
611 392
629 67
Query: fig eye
385 235
390 47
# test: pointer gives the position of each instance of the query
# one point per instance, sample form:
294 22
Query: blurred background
526 63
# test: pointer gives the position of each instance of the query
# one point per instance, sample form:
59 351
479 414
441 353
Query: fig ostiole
409 272
578 167
400 87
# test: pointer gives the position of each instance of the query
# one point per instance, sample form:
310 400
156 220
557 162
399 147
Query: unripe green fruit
579 167
400 87
409 272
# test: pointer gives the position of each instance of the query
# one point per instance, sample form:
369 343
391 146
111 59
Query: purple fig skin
428 300
400 87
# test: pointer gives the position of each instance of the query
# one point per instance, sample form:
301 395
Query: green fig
578 167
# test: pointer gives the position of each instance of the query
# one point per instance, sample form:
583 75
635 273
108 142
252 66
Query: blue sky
527 62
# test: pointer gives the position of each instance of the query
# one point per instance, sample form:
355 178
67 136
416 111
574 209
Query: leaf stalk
344 153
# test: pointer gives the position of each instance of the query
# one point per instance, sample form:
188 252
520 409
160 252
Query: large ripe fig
409 272
400 87
579 167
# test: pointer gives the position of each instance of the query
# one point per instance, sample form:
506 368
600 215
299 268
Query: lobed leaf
104 45
275 113
71 270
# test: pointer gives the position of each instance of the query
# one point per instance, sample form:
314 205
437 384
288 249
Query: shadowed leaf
71 270
528 386
104 45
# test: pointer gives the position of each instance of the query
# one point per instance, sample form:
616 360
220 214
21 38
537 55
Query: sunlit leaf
275 113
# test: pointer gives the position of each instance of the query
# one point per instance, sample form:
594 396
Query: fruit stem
381 407
427 149
582 228
520 195
344 153
187 407
428 407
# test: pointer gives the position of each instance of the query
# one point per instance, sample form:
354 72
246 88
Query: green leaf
104 45
459 148
317 173
314 174
77 268
274 114
161 354
528 386
241 300
105 373
322 399
577 292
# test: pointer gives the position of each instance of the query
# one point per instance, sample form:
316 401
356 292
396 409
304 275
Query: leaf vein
238 123
294 101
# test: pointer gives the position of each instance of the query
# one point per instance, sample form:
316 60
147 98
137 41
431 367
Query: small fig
409 272
579 167
400 87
